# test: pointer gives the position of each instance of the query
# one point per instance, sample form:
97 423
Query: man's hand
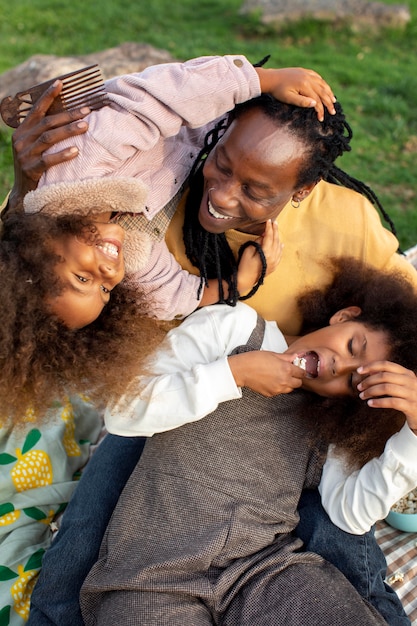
34 136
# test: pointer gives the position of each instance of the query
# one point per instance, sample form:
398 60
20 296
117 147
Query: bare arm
298 86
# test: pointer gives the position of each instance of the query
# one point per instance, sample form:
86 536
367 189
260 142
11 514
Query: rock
127 58
357 13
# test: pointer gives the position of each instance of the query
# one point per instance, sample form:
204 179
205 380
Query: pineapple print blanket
38 473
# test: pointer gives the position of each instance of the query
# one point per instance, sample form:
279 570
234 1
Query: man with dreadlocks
158 131
267 162
276 161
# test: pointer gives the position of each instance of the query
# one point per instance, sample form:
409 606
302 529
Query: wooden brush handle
81 87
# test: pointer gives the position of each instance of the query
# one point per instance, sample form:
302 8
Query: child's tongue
312 364
309 361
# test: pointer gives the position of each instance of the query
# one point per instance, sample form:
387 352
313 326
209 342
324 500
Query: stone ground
127 58
358 13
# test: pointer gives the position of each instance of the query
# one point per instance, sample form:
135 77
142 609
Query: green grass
374 74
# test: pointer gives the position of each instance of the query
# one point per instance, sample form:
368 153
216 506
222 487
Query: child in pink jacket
148 140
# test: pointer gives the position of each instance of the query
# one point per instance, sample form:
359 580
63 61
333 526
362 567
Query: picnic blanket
400 550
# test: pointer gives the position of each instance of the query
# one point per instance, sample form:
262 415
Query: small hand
35 135
267 373
298 86
250 265
389 385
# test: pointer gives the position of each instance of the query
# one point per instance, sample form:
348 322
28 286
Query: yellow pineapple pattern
32 467
24 581
71 446
21 591
31 462
8 514
32 470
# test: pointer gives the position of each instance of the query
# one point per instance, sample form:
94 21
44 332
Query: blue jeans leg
55 598
358 557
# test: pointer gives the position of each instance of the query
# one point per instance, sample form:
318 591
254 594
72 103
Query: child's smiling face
88 271
333 354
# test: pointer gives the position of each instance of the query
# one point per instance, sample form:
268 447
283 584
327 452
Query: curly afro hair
42 360
388 302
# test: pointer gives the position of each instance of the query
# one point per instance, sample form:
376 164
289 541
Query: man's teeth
109 248
214 213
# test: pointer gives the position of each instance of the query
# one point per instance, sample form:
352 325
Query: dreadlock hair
388 303
42 361
324 141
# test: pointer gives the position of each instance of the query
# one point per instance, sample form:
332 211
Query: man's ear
344 315
303 193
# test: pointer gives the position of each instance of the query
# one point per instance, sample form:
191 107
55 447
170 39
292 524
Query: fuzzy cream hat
94 196
91 195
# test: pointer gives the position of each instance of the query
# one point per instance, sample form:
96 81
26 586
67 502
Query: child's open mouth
310 362
109 248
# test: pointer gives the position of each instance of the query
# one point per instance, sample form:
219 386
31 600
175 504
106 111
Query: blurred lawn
373 74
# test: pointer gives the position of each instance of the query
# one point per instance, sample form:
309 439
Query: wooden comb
83 87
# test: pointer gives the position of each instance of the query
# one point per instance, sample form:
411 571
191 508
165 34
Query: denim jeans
75 549
55 598
359 557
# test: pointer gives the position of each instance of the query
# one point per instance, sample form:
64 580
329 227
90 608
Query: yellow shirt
331 221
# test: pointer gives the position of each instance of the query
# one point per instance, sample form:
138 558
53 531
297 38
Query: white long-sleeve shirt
190 376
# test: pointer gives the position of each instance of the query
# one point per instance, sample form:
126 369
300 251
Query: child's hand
389 385
35 135
267 373
250 265
298 86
